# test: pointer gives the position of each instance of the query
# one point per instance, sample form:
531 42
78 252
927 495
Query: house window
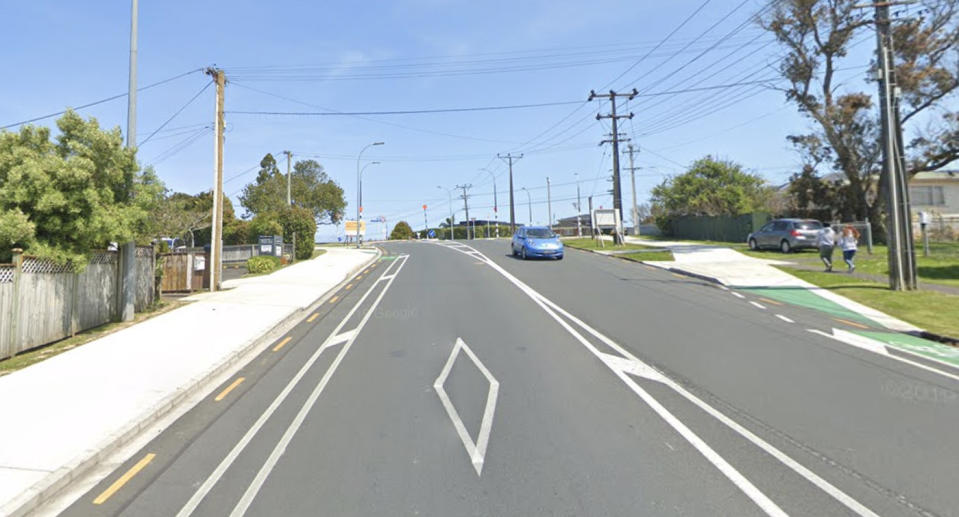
927 196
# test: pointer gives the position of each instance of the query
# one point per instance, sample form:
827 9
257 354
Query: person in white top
848 241
826 240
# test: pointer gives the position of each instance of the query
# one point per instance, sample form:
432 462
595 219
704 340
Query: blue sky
411 55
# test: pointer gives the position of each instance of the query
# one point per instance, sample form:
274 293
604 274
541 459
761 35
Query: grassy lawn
642 252
661 256
317 253
39 354
934 311
592 244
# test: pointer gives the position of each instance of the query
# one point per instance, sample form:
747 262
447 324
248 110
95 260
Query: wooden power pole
617 193
216 233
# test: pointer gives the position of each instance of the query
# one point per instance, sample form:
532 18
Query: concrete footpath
61 416
731 268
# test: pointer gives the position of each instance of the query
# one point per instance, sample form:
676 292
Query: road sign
424 207
350 228
431 234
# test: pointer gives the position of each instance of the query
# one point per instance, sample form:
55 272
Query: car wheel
522 253
559 257
512 250
784 246
753 245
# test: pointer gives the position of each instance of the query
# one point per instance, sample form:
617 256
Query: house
937 194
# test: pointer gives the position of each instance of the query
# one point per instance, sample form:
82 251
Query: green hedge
262 264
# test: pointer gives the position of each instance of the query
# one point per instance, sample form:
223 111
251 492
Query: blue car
536 241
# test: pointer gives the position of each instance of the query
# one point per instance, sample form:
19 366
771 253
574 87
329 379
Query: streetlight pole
549 205
579 208
495 204
359 191
529 205
449 192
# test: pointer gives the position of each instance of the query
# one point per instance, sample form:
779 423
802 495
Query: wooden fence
42 302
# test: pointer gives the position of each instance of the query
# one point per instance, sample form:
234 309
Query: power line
157 130
377 121
402 112
101 101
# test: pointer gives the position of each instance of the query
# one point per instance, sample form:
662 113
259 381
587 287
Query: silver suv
786 234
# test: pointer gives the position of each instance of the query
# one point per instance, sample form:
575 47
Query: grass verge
317 253
931 310
36 355
641 252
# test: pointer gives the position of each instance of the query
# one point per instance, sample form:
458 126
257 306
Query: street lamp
495 204
359 191
529 205
579 209
449 192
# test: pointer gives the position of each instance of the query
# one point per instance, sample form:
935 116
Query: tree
287 221
816 35
310 186
61 199
401 231
710 187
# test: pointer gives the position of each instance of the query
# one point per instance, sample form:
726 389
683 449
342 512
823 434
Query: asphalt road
460 381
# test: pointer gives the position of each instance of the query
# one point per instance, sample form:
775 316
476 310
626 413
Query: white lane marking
342 337
758 305
211 480
795 466
757 496
784 318
251 491
737 295
877 347
724 288
617 363
476 451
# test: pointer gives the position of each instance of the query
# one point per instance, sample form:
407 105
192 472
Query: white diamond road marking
475 450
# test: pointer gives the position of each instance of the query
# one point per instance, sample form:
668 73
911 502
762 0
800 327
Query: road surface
452 379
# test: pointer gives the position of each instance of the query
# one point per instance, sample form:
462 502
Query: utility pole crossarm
612 96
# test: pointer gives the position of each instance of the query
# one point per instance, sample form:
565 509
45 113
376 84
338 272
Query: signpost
349 228
607 219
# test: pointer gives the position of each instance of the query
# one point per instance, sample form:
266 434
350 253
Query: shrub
262 264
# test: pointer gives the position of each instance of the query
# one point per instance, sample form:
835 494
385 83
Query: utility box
270 245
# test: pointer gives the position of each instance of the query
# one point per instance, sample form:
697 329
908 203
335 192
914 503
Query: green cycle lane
917 345
803 297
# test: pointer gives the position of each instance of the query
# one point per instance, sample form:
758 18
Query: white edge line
879 348
207 485
740 481
810 476
244 503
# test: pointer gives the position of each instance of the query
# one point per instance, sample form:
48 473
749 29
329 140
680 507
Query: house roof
950 175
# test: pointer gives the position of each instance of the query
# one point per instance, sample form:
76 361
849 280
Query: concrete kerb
57 480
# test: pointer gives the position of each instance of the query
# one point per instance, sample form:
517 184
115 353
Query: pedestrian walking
849 241
826 240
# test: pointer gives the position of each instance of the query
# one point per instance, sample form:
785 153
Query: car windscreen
809 225
539 233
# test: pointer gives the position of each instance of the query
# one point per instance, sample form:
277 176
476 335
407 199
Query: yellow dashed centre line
334 299
312 317
677 275
230 388
774 302
283 343
358 277
854 324
126 477
348 286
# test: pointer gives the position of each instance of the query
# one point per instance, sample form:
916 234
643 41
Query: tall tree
311 189
817 36
63 198
710 187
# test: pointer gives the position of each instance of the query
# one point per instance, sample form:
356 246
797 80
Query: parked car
786 235
536 241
